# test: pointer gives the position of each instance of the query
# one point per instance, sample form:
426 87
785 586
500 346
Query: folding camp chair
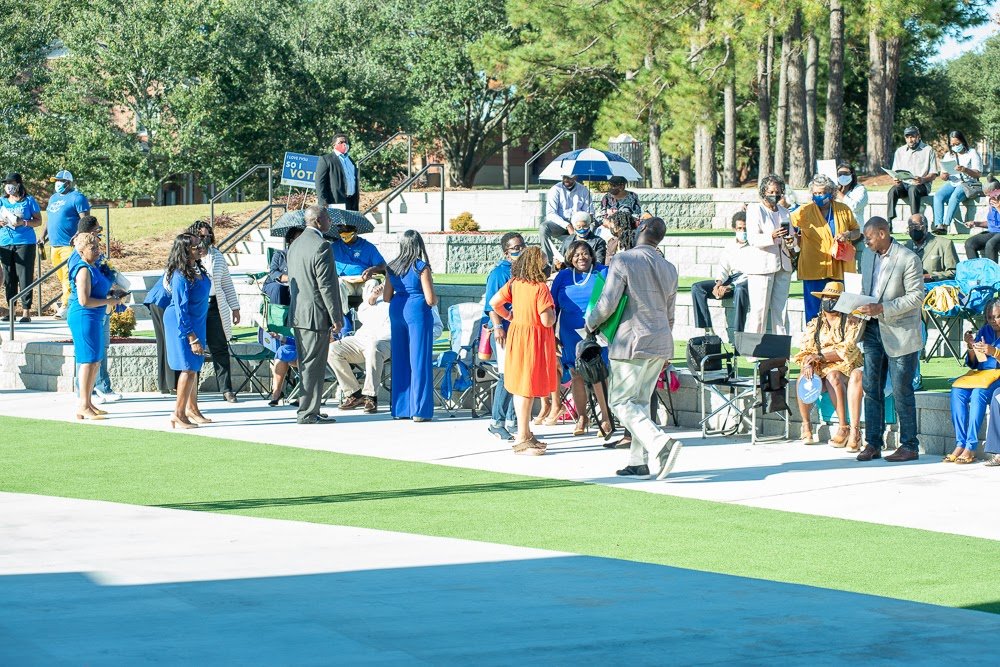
765 390
453 367
250 359
977 282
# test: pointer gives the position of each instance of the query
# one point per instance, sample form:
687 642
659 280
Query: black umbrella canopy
338 217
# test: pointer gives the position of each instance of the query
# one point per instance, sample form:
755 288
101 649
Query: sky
952 48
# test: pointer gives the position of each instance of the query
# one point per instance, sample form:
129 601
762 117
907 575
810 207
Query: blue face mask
61 187
515 255
958 148
583 232
821 200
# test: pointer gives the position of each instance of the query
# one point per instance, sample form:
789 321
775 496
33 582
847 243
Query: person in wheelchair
571 292
829 350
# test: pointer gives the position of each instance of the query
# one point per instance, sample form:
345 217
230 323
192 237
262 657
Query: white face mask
10 188
741 236
844 179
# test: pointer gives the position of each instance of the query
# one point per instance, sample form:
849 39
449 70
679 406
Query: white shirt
877 267
767 254
561 203
857 199
919 161
736 258
969 159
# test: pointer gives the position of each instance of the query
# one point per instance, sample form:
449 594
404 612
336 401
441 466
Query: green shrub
122 324
464 222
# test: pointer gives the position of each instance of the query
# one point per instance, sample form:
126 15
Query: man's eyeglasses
515 248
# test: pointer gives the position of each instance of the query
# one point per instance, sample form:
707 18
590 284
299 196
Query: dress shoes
901 455
869 453
317 419
229 397
352 401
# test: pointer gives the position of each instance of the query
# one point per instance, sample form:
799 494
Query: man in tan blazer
315 309
643 344
892 342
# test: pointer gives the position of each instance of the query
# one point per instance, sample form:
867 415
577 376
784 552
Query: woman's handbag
843 251
977 379
590 361
485 347
972 189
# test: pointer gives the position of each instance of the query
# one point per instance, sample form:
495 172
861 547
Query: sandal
840 439
806 435
951 458
543 413
966 459
854 441
581 426
993 461
607 430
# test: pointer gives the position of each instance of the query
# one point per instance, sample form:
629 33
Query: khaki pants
60 254
359 350
768 295
630 387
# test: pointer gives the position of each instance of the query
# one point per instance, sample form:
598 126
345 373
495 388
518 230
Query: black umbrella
341 217
337 216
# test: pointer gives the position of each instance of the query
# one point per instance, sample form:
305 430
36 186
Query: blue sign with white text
299 171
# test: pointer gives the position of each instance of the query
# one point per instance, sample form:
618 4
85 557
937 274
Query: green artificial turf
186 472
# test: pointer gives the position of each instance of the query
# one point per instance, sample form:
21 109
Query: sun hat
63 175
832 290
13 177
809 389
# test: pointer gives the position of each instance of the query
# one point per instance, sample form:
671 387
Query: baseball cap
911 130
809 389
63 175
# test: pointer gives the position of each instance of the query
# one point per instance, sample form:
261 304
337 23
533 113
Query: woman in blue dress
410 293
89 287
571 290
184 325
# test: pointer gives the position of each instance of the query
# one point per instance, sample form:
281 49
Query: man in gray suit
315 309
892 342
643 344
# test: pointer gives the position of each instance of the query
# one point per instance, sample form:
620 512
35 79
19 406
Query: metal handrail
238 234
398 190
229 188
544 149
384 144
27 290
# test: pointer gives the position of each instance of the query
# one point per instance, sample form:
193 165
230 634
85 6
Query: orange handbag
843 251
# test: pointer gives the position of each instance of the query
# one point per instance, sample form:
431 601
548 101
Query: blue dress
187 313
412 342
87 324
571 292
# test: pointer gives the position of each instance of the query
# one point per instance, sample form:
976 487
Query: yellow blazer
816 241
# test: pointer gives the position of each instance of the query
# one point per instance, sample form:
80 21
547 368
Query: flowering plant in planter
123 323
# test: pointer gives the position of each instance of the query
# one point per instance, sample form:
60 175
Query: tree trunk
834 128
655 156
798 140
812 122
729 144
892 49
765 62
505 154
876 142
781 124
704 166
684 173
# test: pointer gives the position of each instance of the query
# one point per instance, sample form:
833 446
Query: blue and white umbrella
589 164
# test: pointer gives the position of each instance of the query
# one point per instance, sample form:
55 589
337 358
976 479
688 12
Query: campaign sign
299 171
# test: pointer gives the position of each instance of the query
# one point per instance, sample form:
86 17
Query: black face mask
772 199
828 305
917 235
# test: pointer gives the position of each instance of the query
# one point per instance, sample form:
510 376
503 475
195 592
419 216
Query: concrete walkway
816 479
85 582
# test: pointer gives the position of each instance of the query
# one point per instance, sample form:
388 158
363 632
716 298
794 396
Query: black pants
166 377
218 346
983 244
18 271
701 292
909 192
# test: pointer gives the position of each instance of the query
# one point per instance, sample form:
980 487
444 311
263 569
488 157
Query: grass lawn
132 224
153 468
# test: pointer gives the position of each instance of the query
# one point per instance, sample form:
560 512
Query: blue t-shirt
64 216
993 221
353 259
499 276
25 209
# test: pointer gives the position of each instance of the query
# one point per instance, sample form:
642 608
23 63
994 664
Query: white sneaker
60 313
111 397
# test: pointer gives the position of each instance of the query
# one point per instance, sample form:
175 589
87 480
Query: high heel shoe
543 414
92 415
581 427
199 419
274 402
177 423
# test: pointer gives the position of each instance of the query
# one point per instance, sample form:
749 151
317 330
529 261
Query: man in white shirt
730 279
562 201
919 159
369 346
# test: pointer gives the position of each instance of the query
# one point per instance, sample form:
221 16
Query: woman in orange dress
531 342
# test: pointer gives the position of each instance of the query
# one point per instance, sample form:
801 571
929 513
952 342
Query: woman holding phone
961 168
769 263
